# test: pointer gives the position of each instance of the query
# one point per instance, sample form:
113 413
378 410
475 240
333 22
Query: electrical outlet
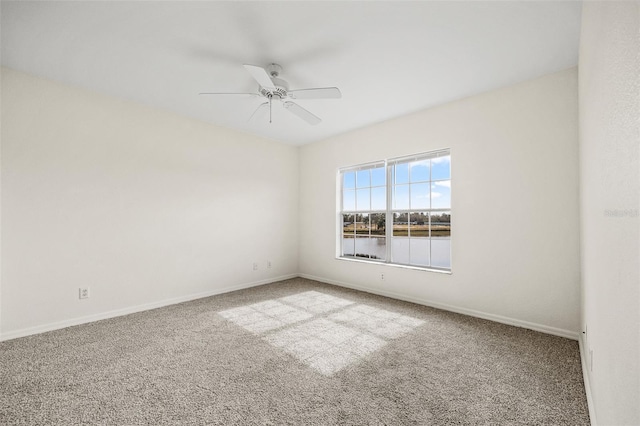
255 266
268 264
381 277
83 292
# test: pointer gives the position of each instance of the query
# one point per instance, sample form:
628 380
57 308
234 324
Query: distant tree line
377 221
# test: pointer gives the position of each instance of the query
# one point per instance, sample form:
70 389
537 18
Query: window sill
395 265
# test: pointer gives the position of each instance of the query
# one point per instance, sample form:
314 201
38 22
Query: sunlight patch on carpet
347 334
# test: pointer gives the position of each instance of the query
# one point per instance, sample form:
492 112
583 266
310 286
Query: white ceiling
388 58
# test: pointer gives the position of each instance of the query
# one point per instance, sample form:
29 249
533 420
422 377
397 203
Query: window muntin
414 229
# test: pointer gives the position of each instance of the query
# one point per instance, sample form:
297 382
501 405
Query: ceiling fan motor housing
281 88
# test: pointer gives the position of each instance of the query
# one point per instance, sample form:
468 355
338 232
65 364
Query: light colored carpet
296 352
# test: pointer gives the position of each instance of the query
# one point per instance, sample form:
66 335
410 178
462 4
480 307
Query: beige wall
514 213
145 207
610 207
142 206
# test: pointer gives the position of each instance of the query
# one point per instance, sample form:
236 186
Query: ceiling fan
273 88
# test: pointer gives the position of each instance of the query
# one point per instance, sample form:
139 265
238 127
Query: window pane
420 195
419 224
401 173
380 244
348 200
441 240
363 179
419 171
349 180
441 224
347 224
441 252
363 201
378 176
378 224
441 168
401 197
400 224
441 194
348 246
419 251
362 224
378 198
400 250
348 235
370 248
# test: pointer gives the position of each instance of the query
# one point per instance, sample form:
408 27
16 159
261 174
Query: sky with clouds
417 185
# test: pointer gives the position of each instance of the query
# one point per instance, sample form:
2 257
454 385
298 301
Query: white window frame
389 211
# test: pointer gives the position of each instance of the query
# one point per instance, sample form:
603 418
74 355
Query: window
398 211
364 207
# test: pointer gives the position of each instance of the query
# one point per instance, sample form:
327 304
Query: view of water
414 251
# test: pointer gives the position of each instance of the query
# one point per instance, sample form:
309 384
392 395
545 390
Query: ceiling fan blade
260 107
316 93
302 113
261 76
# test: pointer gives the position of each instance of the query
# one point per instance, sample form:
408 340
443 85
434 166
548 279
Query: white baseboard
478 314
153 305
587 380
133 309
